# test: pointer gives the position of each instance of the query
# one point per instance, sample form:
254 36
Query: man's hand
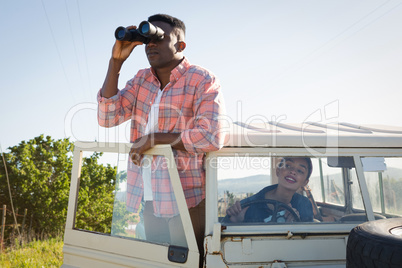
140 145
122 49
146 142
236 213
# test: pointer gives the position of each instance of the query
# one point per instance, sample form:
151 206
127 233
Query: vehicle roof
312 134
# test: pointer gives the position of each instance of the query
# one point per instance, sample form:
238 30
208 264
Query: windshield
291 189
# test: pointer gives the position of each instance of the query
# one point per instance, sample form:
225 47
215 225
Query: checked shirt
191 104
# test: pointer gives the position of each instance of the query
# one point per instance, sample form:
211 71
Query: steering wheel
277 207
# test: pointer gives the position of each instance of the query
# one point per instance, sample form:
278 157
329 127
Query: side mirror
341 161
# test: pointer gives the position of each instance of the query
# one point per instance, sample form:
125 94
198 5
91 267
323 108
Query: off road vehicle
355 191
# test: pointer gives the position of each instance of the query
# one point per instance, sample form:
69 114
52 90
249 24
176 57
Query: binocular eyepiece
145 33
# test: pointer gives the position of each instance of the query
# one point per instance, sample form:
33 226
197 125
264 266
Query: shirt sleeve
208 133
305 209
117 109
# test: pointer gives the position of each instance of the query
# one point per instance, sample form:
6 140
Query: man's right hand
122 49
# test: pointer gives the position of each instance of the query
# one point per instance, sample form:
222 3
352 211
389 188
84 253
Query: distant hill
245 185
255 183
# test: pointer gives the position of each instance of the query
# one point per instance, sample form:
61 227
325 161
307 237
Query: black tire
375 244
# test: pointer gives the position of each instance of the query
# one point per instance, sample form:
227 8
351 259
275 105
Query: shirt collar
179 70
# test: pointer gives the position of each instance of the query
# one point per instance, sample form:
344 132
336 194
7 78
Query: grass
47 253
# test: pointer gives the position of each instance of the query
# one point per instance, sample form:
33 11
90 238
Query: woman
292 173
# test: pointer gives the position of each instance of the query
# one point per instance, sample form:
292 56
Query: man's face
163 53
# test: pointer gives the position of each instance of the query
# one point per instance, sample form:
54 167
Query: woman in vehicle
279 202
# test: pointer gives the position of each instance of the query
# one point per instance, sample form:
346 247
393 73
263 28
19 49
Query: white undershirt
151 127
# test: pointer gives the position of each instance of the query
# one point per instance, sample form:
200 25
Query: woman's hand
236 213
288 216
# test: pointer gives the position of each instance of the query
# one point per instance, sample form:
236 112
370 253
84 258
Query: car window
327 183
240 177
384 182
125 223
87 216
332 193
132 223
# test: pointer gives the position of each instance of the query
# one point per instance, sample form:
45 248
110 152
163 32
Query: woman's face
292 173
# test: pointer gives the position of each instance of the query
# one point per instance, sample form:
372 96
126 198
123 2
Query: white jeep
356 184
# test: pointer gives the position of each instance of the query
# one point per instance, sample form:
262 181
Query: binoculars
145 33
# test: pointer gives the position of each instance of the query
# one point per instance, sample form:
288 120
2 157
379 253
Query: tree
39 172
231 198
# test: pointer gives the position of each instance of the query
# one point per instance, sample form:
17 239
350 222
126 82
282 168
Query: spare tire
375 244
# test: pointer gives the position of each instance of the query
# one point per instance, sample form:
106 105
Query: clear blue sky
291 61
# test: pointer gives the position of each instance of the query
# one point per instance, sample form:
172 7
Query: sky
287 61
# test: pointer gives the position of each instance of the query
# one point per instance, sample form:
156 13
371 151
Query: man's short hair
172 21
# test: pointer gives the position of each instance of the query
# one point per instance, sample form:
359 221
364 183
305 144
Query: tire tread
365 249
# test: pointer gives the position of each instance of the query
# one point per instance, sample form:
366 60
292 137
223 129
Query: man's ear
182 46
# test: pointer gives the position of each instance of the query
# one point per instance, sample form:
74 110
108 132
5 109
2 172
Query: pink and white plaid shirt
191 105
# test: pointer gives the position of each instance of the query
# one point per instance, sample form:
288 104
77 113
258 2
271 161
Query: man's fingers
135 157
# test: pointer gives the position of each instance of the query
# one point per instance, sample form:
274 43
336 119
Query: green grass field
39 254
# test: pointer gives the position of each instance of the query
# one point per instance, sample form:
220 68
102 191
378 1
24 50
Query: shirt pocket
170 109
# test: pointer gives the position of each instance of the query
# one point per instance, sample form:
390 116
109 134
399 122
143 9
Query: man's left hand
140 145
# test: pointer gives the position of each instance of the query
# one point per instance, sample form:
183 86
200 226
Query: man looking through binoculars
172 102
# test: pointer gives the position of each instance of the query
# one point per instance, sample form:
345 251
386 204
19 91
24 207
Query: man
175 103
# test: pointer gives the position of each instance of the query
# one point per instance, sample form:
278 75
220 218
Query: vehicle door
116 237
